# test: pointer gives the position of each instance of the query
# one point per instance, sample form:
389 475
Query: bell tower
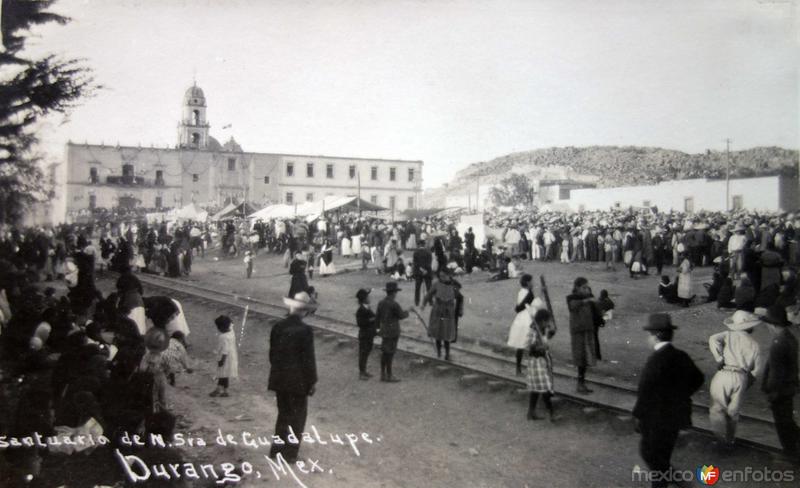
193 128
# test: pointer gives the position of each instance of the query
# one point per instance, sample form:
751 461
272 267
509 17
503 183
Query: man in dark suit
422 270
781 382
388 317
292 374
469 251
664 403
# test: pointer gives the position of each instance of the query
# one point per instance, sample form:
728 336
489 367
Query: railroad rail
752 432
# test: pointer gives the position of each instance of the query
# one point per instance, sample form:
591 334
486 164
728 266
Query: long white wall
763 193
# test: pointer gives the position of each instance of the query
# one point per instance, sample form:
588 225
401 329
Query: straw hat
742 320
301 301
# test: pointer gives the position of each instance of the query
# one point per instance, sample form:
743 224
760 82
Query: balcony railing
127 180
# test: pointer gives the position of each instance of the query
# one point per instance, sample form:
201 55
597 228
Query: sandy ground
429 430
489 309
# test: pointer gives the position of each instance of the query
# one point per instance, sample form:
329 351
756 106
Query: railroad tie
622 424
344 343
327 337
496 385
590 411
417 363
471 379
443 369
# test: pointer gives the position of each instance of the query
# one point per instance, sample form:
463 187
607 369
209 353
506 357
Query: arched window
195 117
195 138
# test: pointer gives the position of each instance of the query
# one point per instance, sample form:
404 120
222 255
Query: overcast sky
448 82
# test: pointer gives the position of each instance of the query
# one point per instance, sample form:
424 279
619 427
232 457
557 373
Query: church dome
194 96
214 145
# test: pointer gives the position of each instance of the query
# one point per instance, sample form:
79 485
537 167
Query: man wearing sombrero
293 372
737 357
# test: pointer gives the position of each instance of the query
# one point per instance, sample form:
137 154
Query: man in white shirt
512 238
736 245
737 357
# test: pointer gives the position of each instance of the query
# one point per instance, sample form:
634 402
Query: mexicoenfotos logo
708 475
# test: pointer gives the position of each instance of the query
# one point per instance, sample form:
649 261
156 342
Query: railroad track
752 432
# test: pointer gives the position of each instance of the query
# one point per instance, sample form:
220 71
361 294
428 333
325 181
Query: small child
606 305
248 263
176 359
228 363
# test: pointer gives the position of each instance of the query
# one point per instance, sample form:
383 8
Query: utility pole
477 192
727 174
358 202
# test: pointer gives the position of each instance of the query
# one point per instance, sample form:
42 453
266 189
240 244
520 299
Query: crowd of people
103 363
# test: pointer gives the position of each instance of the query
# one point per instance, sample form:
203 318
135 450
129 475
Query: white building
768 193
201 170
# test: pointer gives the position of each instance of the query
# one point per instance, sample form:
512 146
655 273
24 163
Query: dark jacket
293 366
581 314
668 381
299 283
365 319
780 372
423 260
389 315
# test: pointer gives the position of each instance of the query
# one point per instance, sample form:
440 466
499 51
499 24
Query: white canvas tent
228 208
190 212
312 210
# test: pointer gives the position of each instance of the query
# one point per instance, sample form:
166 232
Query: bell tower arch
193 128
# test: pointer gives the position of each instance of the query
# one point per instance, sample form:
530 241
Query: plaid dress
540 369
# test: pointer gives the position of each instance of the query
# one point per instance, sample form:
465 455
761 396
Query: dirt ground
489 309
427 431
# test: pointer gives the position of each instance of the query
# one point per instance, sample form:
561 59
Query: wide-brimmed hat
739 228
659 321
742 320
391 286
156 340
363 293
776 315
301 301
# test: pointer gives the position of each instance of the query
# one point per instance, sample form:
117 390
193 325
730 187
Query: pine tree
30 89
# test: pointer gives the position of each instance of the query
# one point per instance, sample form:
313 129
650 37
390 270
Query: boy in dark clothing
365 319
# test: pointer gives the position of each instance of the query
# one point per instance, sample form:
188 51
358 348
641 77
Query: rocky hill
625 166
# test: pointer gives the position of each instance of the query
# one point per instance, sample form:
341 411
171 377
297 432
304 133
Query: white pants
727 392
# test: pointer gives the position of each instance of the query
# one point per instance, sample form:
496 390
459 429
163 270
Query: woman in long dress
443 297
347 248
685 281
326 266
356 243
526 306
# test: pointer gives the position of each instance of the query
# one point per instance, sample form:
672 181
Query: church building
201 170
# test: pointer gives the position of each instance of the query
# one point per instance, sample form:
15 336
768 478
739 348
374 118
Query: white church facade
201 170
